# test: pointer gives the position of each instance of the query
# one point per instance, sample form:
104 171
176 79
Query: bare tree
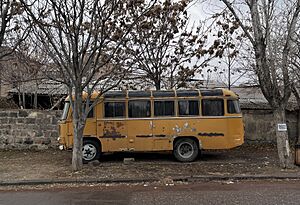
272 69
167 49
13 30
295 62
231 38
19 69
84 40
297 96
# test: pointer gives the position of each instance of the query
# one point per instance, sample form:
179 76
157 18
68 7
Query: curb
143 180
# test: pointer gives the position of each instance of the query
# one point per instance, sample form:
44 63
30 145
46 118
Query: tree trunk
35 96
19 98
23 99
0 85
77 146
298 127
157 85
229 73
297 96
78 125
283 147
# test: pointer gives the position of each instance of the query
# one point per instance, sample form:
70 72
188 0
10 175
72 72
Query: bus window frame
165 99
66 115
214 98
189 99
227 110
114 101
139 99
70 111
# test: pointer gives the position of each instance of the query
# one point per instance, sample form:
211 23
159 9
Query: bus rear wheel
90 150
185 150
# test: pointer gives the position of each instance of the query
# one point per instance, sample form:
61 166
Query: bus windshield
66 110
233 106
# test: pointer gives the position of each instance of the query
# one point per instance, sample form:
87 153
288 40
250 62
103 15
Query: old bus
182 121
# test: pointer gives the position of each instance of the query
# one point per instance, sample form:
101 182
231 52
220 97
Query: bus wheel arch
91 149
186 149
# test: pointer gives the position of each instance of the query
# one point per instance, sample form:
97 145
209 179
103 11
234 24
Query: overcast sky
200 10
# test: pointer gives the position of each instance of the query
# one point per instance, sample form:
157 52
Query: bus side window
114 109
139 108
188 107
212 107
164 108
233 107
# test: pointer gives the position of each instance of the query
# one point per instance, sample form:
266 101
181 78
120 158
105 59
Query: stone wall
23 129
259 125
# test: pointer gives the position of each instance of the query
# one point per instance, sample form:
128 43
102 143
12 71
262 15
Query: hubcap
89 152
185 150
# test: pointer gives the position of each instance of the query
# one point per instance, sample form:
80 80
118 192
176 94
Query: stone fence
23 129
260 127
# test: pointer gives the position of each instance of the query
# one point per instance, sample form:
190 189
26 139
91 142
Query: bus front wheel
90 150
185 150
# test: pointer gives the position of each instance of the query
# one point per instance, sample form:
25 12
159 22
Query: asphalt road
285 192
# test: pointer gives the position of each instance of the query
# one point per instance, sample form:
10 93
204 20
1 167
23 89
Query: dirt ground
56 164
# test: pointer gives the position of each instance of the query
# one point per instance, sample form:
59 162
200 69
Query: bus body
182 121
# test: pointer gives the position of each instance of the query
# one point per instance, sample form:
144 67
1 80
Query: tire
185 150
90 150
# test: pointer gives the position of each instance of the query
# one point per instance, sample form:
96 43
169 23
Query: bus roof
162 93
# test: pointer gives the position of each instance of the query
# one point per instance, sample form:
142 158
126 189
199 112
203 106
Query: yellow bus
182 121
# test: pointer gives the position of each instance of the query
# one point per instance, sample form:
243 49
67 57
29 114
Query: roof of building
45 87
251 97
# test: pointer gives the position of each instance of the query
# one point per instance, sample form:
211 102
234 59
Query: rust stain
120 124
108 123
110 131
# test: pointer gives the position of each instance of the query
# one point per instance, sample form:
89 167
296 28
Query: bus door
162 134
163 124
113 128
70 133
89 129
90 124
70 129
140 125
213 132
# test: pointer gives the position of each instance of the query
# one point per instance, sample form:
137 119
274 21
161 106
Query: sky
200 10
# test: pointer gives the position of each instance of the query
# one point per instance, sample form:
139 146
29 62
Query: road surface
284 192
